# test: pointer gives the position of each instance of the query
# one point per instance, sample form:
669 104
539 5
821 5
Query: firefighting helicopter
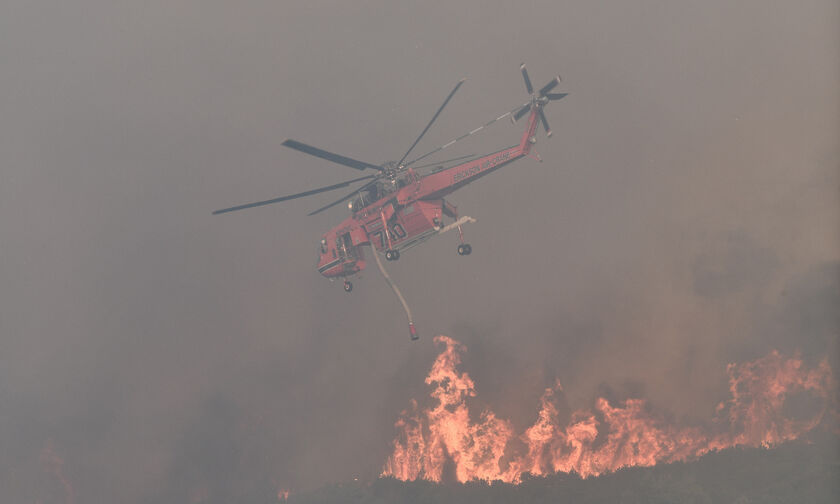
397 208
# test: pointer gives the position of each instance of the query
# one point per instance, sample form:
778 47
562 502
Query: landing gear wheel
392 255
467 249
348 286
461 249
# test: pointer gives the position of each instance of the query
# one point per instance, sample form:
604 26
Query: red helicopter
398 208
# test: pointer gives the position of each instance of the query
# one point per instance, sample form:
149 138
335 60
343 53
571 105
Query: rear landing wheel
392 255
464 249
348 286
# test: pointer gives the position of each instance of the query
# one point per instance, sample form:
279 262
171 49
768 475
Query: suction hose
411 329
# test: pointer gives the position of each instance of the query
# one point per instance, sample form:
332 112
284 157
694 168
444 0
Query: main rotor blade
551 85
465 135
444 162
430 122
528 85
329 156
556 96
345 198
545 123
293 196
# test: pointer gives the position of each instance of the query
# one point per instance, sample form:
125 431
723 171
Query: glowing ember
608 437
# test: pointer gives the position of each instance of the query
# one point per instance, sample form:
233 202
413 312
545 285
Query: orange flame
604 439
54 465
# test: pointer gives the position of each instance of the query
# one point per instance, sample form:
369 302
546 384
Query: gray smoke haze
687 214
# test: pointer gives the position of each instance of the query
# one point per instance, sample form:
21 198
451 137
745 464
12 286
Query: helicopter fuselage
412 212
397 208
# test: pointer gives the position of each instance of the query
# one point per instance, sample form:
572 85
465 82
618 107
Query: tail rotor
538 99
528 85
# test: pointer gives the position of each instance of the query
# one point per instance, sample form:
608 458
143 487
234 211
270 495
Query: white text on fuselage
472 170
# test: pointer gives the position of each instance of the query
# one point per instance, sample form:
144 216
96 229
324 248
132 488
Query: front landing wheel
464 249
348 286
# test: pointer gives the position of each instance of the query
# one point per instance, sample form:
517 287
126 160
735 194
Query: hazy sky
687 214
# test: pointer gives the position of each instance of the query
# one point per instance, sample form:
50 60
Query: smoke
685 216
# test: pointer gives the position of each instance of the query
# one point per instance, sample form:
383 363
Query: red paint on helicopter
398 208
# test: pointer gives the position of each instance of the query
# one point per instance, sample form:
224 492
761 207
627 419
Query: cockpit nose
323 250
325 262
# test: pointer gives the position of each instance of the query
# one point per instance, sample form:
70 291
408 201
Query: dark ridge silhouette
801 471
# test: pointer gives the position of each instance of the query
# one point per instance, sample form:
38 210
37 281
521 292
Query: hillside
794 472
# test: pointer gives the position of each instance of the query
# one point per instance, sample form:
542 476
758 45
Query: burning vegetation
445 441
